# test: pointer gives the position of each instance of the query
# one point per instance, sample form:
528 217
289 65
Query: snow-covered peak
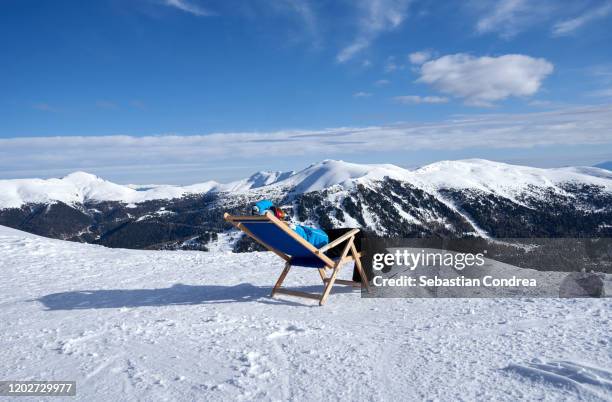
81 177
503 179
14 193
332 172
80 187
257 180
482 174
90 187
266 177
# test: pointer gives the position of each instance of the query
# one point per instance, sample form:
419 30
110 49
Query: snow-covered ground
157 325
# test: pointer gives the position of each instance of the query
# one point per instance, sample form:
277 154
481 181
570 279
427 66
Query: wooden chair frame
349 253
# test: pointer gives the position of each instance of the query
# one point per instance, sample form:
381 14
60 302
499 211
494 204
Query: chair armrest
347 235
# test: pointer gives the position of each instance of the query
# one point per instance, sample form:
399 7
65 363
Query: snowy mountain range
449 198
80 188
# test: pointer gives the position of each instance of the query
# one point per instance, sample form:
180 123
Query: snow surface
171 325
477 174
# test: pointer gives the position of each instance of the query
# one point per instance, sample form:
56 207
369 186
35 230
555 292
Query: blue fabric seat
309 262
276 238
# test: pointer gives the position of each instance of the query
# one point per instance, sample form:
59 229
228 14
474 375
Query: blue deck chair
278 237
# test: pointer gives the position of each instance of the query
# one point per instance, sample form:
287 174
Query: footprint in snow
579 377
290 330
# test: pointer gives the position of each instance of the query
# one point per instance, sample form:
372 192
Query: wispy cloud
420 57
304 10
510 17
382 83
362 95
506 17
602 72
481 81
374 18
189 7
304 21
416 99
569 26
392 65
116 155
351 50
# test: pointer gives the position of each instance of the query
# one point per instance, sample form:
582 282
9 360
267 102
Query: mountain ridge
488 176
451 199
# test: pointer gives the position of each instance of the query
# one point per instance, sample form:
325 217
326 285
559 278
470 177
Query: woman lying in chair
314 236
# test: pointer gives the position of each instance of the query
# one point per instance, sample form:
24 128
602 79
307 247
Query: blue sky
161 90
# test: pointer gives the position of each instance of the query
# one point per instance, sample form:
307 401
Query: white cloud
382 83
391 65
374 18
567 27
421 99
509 17
362 95
420 57
348 52
483 80
188 7
173 155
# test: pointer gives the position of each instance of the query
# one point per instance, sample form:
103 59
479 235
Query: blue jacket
262 206
316 237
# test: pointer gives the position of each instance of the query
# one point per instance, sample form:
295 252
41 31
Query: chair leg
329 286
281 278
323 274
334 274
364 278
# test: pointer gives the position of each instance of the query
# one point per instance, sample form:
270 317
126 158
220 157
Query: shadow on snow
178 294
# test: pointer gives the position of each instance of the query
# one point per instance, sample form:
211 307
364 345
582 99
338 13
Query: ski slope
159 325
